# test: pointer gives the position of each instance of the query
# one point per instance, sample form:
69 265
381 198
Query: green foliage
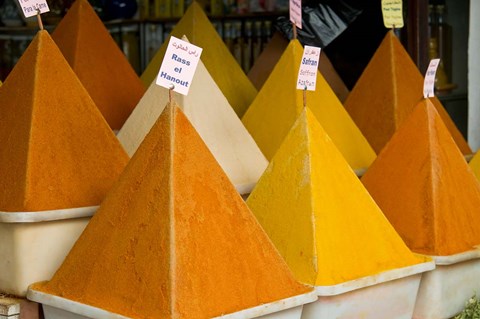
472 309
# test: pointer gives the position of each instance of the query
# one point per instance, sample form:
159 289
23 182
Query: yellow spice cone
269 57
99 63
318 214
386 93
56 150
182 242
425 188
223 67
278 104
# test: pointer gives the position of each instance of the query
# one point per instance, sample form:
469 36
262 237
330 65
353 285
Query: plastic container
390 294
444 291
55 307
9 308
34 244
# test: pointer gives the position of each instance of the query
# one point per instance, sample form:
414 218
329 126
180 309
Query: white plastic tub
444 291
390 294
34 244
9 308
55 307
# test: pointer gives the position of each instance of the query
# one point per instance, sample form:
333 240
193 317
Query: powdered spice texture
387 92
425 188
220 63
57 150
99 63
318 214
173 239
279 103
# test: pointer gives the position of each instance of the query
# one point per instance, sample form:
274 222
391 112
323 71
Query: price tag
296 12
179 65
392 13
307 75
31 7
429 82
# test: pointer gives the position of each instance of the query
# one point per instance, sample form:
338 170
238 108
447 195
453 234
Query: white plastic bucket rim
98 313
47 215
456 258
374 279
272 307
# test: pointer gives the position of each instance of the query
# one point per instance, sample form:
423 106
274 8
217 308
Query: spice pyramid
386 93
57 150
425 188
215 121
279 103
319 216
269 57
223 67
181 240
99 63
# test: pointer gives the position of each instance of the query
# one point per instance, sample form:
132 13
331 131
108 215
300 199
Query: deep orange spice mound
424 186
99 63
173 239
386 92
56 150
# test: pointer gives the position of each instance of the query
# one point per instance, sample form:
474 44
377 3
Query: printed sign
31 7
429 82
307 75
392 13
296 12
179 65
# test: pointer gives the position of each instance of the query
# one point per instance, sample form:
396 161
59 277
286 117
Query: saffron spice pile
318 214
279 103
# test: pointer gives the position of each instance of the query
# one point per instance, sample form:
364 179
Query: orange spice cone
386 93
425 188
213 118
318 214
99 63
221 64
57 150
279 103
180 241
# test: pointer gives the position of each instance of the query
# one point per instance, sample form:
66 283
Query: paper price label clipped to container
179 65
31 7
296 12
307 74
429 82
392 11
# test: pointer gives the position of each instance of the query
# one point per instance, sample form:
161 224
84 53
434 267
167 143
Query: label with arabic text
179 65
31 7
307 75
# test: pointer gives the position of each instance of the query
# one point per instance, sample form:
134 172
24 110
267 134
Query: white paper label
392 11
296 12
31 7
307 75
179 65
429 82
